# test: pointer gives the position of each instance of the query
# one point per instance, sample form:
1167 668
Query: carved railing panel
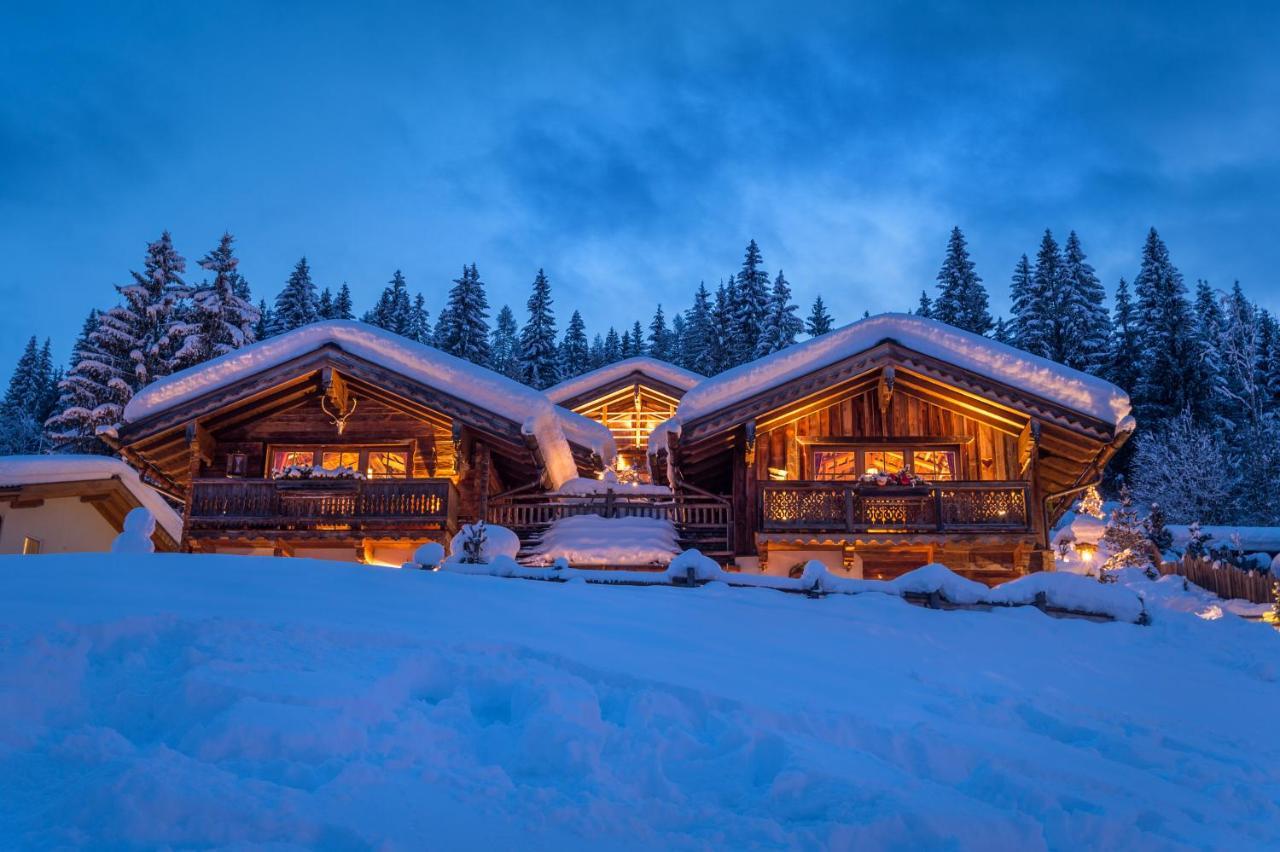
267 504
850 507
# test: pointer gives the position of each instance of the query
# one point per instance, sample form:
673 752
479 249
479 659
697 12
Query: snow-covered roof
552 427
1037 376
36 470
662 371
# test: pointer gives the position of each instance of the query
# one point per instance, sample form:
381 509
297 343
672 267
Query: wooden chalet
631 398
340 440
1001 442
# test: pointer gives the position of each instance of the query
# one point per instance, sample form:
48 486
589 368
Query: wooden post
482 477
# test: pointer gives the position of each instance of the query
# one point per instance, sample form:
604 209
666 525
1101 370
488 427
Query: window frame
861 446
364 449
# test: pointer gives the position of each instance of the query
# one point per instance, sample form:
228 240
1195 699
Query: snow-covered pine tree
143 329
638 346
627 347
1124 538
1000 332
539 367
612 351
720 350
962 299
1126 347
574 354
1208 328
1171 377
266 321
419 321
597 351
925 307
342 307
1090 503
324 304
748 301
819 320
1236 358
1158 537
504 345
1044 333
1084 328
296 304
696 342
462 328
218 320
659 336
1025 319
393 310
28 402
90 395
781 325
675 340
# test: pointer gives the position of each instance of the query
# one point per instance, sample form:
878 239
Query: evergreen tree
296 304
342 308
612 351
659 336
419 321
925 307
218 320
1025 311
696 344
819 321
1123 538
538 363
721 352
324 305
89 396
597 351
27 402
504 345
675 341
1126 347
748 304
638 346
1207 311
1040 313
781 323
266 321
1171 377
628 347
1084 327
575 354
962 300
462 328
1000 332
393 310
141 332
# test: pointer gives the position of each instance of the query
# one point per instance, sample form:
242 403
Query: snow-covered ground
193 700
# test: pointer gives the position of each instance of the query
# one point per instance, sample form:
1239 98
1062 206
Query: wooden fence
1226 581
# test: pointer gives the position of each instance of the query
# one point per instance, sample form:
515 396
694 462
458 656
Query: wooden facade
999 466
427 460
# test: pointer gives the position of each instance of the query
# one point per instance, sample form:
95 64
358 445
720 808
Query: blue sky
631 150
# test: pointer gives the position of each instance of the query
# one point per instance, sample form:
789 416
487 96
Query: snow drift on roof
430 366
982 355
668 374
34 470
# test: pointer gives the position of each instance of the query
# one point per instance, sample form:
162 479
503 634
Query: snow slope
189 700
663 371
982 355
552 426
33 470
593 540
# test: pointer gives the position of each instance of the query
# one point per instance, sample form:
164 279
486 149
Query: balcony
398 507
849 507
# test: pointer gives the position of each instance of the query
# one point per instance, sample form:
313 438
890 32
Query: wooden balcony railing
323 504
934 507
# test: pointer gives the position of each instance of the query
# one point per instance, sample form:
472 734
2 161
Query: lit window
835 464
383 464
333 459
281 459
30 546
934 464
885 461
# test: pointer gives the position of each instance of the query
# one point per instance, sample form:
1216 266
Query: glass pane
281 459
935 464
333 459
835 464
384 464
884 461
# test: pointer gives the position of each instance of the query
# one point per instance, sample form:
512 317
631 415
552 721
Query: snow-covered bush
1186 468
487 543
429 555
139 526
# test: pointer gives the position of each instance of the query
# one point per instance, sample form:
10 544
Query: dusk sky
631 151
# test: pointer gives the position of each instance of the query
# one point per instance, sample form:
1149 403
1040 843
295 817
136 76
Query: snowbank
33 470
663 371
593 540
1252 539
179 700
552 427
982 355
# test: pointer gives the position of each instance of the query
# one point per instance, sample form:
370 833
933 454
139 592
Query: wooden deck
846 507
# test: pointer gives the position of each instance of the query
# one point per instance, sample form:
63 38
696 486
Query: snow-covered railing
854 507
935 586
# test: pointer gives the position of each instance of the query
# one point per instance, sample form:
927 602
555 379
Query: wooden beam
884 392
200 442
